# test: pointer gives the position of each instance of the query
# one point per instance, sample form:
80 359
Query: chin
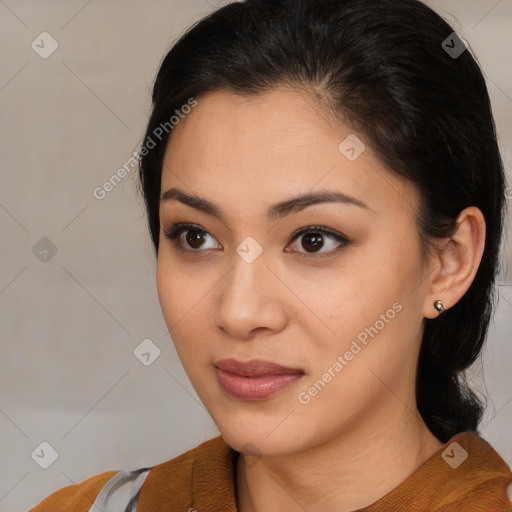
257 437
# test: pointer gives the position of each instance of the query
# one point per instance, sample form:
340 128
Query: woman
325 196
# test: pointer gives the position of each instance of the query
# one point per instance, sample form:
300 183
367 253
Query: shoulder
197 476
213 451
468 474
77 497
174 474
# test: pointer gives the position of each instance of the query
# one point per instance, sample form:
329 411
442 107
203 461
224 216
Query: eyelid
342 240
321 229
174 232
176 229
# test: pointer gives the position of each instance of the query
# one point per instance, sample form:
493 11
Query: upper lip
254 367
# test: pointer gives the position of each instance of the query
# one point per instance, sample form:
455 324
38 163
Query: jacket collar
466 473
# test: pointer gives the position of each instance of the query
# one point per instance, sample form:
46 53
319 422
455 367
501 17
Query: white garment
121 491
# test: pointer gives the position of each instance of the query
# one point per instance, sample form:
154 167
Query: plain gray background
69 325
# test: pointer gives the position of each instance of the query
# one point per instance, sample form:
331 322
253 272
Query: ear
456 262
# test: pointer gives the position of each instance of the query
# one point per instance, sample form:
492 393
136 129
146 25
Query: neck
349 472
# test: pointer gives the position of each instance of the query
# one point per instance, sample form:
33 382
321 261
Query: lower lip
255 388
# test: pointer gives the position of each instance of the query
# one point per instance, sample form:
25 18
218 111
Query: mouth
254 368
256 379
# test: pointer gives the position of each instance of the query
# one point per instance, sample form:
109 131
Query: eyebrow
276 210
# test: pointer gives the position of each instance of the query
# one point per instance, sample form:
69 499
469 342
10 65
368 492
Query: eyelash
177 229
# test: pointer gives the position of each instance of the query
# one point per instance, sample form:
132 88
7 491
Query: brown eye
195 238
313 240
191 238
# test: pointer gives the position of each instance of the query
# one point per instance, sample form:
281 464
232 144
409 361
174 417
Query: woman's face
341 310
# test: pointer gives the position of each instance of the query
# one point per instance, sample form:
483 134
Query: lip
255 379
254 367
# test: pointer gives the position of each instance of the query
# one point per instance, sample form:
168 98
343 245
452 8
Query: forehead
282 118
275 144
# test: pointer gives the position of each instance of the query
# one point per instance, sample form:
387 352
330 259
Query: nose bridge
245 303
248 273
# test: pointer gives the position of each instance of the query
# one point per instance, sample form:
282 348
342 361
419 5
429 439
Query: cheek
166 286
178 289
183 302
365 300
350 293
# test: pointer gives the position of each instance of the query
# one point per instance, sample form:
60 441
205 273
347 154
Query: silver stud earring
438 304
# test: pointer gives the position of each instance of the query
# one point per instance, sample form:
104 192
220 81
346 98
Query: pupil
314 240
195 238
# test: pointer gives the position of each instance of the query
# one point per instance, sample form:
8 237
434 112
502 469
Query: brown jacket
202 480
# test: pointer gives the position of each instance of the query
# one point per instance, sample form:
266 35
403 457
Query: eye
313 240
190 234
192 239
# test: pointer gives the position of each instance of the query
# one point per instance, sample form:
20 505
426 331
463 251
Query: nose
250 299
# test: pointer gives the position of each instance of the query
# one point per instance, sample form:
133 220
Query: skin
361 435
